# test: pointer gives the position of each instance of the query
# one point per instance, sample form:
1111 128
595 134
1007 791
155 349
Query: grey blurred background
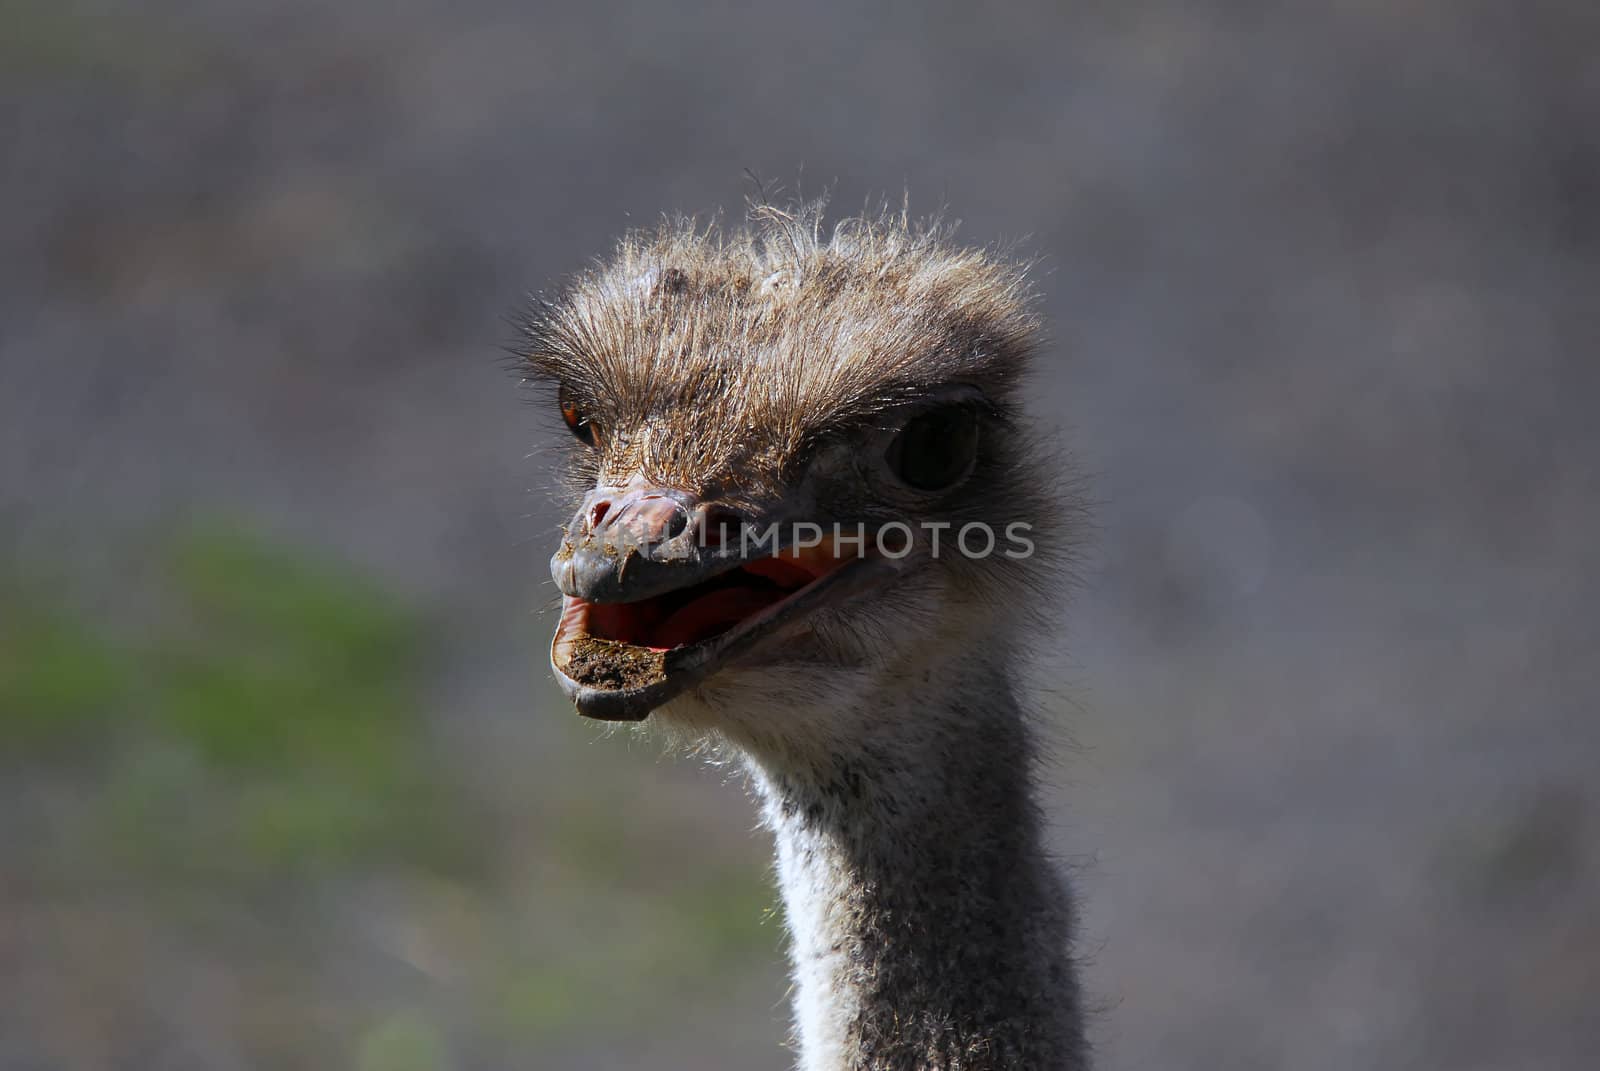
284 782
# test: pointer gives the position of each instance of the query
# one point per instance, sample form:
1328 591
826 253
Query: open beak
652 606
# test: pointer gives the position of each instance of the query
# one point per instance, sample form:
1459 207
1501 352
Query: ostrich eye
936 449
577 420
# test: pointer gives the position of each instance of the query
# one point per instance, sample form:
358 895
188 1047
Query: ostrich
772 430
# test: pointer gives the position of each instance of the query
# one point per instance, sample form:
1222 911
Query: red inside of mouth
698 613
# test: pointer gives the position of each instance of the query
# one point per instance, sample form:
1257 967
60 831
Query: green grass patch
405 1041
60 681
266 721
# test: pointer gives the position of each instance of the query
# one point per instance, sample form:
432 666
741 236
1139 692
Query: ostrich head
738 401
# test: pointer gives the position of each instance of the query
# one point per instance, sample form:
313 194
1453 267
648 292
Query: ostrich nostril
597 513
719 527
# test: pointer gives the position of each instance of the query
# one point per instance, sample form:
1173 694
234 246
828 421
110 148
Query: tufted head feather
741 351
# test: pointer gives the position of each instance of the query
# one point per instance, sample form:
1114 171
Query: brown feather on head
744 348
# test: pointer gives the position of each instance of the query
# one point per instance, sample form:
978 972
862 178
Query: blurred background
284 782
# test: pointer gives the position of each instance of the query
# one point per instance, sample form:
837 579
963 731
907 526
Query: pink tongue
709 615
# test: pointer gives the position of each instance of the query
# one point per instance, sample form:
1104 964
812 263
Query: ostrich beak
654 602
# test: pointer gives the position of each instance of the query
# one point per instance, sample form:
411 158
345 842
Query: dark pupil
575 418
934 450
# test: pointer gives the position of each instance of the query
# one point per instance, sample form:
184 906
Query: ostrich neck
928 929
